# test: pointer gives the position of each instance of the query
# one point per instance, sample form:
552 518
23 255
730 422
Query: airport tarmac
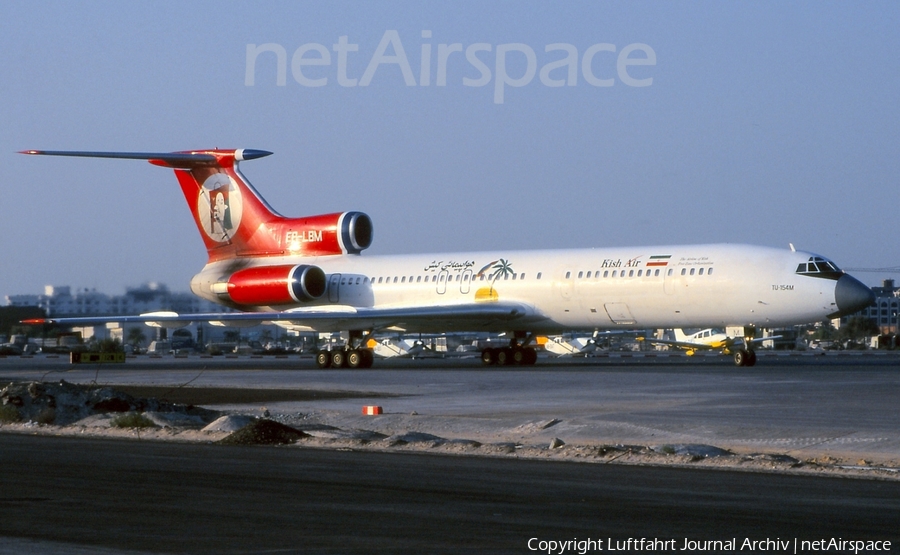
829 412
79 496
815 440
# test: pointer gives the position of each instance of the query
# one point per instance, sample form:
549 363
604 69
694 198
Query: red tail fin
234 221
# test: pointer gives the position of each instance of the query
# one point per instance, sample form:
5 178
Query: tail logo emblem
219 207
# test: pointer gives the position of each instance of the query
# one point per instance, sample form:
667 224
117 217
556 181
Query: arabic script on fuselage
449 266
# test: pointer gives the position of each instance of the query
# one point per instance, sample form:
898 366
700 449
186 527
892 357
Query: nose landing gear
745 357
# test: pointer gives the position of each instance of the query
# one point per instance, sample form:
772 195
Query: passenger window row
465 278
435 278
640 273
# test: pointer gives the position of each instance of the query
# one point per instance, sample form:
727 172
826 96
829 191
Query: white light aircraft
389 347
578 344
308 274
561 346
711 339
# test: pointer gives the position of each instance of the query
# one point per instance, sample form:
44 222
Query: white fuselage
687 286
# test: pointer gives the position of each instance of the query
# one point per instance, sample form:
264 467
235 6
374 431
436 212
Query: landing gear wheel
744 358
751 358
338 359
355 359
518 355
506 356
323 359
368 358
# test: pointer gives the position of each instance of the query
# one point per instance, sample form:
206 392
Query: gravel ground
175 414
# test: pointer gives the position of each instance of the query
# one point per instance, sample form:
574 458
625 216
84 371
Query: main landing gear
514 354
342 358
347 356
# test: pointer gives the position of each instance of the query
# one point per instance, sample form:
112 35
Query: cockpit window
819 267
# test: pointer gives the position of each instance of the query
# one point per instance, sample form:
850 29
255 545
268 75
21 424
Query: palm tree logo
498 268
502 268
493 270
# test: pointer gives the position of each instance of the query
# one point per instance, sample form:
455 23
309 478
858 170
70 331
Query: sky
529 125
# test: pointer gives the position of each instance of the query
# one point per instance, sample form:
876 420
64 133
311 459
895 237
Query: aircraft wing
686 344
690 345
756 340
472 317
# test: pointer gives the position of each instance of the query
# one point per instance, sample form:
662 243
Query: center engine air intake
277 285
356 232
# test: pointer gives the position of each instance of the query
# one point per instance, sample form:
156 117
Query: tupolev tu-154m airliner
307 274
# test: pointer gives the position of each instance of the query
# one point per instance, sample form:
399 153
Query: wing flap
327 318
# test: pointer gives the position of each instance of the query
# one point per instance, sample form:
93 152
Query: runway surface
842 407
73 495
188 498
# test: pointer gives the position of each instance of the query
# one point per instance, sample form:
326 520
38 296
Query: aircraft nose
851 296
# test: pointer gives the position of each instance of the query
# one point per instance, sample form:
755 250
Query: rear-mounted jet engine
274 285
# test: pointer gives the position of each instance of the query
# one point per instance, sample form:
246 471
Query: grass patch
46 416
9 414
132 420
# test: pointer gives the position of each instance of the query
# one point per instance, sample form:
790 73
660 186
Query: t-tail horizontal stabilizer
187 159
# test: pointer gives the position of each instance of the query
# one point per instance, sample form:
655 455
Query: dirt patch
263 432
63 403
239 396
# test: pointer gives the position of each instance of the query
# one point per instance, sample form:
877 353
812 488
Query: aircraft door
443 277
669 280
465 282
619 313
334 285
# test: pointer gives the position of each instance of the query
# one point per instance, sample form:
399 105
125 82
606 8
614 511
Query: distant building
59 301
885 311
